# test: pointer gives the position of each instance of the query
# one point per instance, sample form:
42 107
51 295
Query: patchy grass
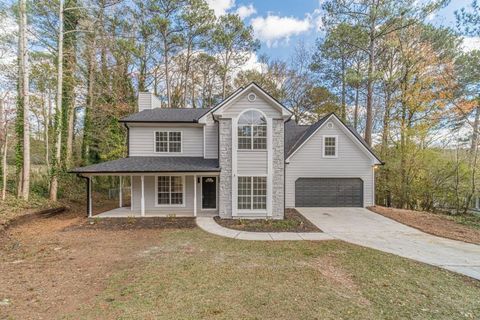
460 227
189 274
293 222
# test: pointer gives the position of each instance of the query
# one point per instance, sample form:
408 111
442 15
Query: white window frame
168 142
336 146
251 210
170 192
251 137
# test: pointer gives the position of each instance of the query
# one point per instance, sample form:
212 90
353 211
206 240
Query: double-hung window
252 131
168 141
252 193
330 146
170 190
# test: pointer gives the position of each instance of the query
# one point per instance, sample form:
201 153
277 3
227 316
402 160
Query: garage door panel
329 192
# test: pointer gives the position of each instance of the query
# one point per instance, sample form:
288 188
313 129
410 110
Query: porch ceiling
151 164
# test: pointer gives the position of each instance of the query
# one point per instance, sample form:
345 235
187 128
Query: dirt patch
135 223
431 223
329 267
293 222
52 266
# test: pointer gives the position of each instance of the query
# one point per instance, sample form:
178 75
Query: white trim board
216 111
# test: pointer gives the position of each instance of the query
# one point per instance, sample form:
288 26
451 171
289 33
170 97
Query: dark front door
209 192
329 192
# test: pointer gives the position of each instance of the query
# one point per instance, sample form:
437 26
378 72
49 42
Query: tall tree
198 20
377 19
23 102
233 42
166 19
57 159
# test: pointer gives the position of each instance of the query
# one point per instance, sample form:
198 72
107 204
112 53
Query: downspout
128 138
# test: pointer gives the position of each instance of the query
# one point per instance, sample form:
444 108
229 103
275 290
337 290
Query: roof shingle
152 164
180 115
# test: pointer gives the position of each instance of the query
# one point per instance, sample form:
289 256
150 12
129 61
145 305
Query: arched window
252 131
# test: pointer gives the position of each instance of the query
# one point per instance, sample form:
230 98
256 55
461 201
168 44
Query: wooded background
70 69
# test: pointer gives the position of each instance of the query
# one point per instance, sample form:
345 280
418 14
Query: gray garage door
329 192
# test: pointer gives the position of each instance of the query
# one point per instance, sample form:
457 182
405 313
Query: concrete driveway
363 227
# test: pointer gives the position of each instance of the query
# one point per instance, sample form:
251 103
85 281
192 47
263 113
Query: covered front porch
157 186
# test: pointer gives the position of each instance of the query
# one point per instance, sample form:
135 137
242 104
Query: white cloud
220 7
253 64
471 43
246 11
274 29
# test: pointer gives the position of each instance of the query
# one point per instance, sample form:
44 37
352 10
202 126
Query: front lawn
65 268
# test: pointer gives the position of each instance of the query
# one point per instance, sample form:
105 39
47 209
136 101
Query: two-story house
244 158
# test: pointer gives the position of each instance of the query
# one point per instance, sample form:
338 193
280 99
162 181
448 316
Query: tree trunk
4 164
386 123
476 125
58 116
87 126
167 78
343 113
370 72
355 111
369 121
71 122
46 116
187 70
25 97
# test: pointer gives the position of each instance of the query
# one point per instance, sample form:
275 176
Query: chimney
147 100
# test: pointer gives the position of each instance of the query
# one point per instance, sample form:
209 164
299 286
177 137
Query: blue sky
280 24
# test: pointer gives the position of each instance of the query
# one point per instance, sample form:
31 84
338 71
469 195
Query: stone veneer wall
278 195
225 159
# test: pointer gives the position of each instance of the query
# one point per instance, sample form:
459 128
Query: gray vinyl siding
351 162
252 162
142 141
211 138
150 197
242 104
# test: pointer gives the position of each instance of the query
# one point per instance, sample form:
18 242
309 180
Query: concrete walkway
208 224
363 227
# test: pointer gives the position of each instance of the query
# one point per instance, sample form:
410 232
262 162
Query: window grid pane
175 144
168 141
330 146
252 137
161 142
170 190
252 193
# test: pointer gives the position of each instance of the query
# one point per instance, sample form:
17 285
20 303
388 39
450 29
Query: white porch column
89 204
195 195
131 193
142 203
120 193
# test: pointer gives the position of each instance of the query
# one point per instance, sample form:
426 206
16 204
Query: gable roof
291 148
285 111
185 115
